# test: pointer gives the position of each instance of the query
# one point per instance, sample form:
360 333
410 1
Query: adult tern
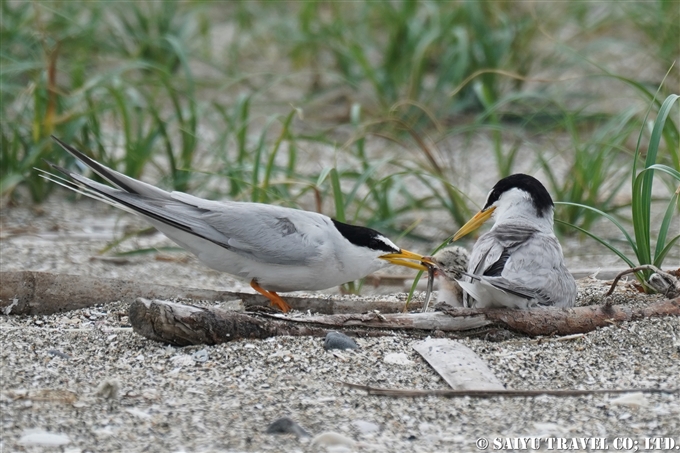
274 248
519 262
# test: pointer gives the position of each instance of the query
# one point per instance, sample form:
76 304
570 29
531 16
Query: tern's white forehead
510 196
386 241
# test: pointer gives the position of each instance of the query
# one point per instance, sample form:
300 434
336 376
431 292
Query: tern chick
519 263
451 262
272 247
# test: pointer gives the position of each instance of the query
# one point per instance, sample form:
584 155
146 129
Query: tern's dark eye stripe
540 197
363 237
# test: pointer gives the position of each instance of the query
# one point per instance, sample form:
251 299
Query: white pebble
398 358
39 437
635 399
330 438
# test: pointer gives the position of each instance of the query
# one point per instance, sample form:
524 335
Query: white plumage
274 248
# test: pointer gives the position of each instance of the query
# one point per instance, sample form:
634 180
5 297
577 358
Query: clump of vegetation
235 99
646 252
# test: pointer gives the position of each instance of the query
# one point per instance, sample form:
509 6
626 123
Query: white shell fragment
636 399
398 358
458 364
39 437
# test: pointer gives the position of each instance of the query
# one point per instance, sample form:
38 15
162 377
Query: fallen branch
407 393
44 293
660 281
543 321
184 324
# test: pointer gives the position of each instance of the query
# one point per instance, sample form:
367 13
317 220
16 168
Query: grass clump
409 53
642 184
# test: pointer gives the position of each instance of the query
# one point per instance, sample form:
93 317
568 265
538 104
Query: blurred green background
384 113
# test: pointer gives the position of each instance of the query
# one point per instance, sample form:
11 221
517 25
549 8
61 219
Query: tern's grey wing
536 267
260 232
492 250
524 262
255 231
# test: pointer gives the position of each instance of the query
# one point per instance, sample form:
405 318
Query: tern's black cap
364 237
539 195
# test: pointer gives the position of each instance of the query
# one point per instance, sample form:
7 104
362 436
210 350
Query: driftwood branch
408 393
182 324
543 321
44 293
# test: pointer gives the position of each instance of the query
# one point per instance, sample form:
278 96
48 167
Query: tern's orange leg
272 296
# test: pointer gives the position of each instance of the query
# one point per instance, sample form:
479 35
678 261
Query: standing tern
274 248
519 263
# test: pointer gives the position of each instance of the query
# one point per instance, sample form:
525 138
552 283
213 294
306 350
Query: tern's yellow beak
474 223
400 260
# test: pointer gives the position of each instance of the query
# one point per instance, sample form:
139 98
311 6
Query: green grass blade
285 133
603 214
337 196
663 230
662 254
600 240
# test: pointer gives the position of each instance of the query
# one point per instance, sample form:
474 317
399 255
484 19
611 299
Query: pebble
398 358
108 389
41 438
57 353
636 399
201 356
330 438
366 427
285 425
337 340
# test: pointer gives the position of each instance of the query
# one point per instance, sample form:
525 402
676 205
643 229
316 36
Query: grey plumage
519 263
451 263
525 263
273 247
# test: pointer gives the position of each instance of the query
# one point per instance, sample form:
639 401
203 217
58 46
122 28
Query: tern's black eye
540 197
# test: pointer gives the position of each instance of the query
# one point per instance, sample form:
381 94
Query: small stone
108 389
201 356
39 437
337 340
285 425
182 360
635 399
57 353
330 438
366 427
398 358
138 413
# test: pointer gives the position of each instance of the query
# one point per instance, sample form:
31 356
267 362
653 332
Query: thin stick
673 282
414 393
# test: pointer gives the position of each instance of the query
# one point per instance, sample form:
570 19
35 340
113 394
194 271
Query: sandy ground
55 370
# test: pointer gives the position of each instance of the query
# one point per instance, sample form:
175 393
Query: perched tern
450 265
519 263
274 248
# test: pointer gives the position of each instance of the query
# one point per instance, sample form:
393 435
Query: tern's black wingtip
57 167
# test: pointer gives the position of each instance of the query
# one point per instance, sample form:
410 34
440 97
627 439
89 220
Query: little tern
272 247
519 262
450 264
